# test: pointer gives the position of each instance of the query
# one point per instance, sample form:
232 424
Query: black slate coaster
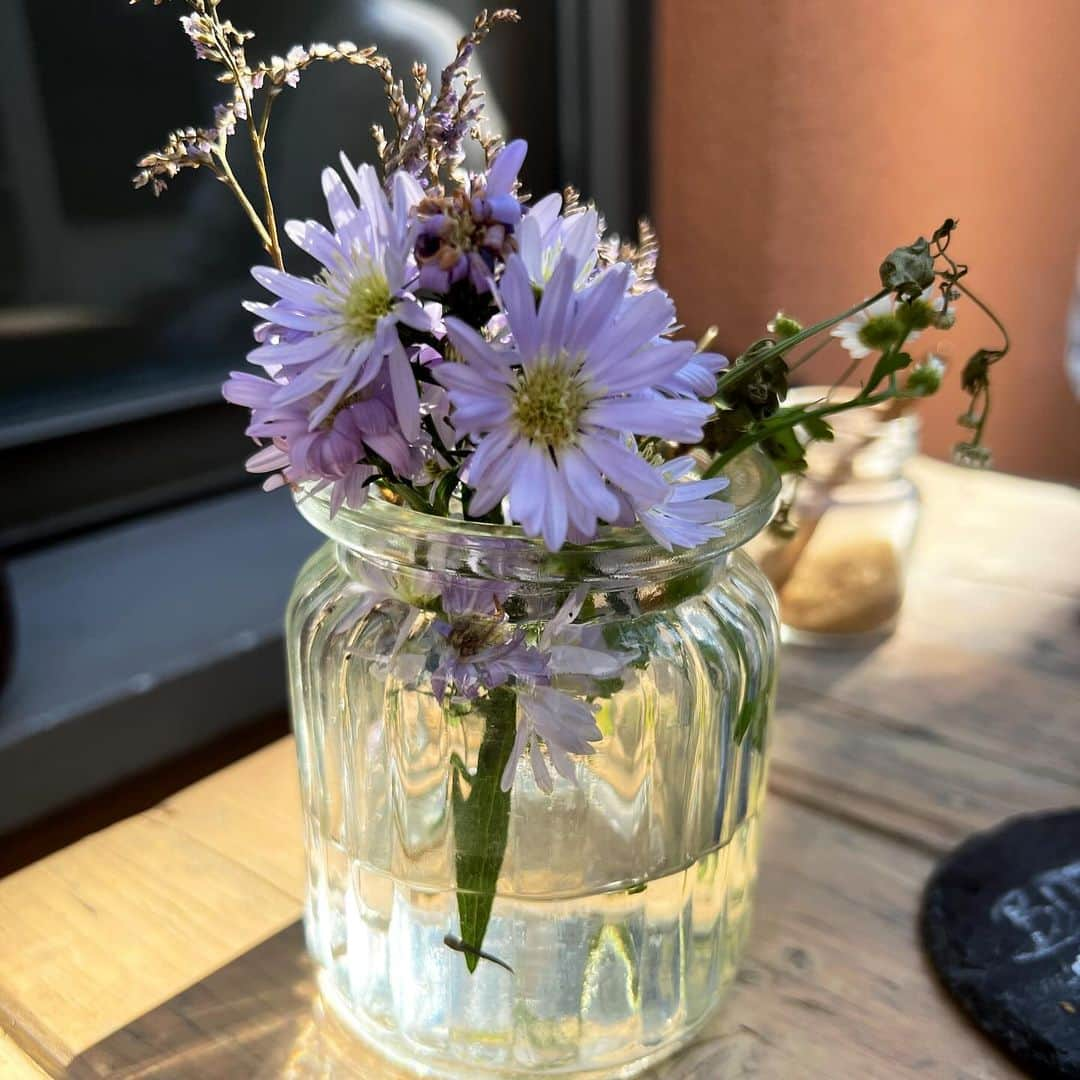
1001 923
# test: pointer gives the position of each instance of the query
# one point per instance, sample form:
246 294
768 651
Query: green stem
989 314
808 355
737 371
228 178
792 419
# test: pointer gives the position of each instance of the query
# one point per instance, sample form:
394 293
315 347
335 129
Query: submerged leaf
482 822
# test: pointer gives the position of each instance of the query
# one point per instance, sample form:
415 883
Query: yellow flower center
471 633
366 302
550 399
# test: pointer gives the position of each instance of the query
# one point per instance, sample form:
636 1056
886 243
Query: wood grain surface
166 945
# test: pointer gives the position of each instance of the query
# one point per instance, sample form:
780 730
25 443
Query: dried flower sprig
430 134
642 256
255 88
975 377
750 394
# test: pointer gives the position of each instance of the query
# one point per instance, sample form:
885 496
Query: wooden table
882 761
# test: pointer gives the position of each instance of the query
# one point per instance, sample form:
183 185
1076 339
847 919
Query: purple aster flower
482 654
545 234
553 412
335 453
464 234
688 515
348 316
565 723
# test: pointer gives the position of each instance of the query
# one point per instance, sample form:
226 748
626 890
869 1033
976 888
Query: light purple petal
506 781
597 311
644 317
554 515
583 479
305 351
679 419
316 240
279 315
556 305
403 386
544 212
647 367
298 290
624 468
373 199
505 168
477 351
520 303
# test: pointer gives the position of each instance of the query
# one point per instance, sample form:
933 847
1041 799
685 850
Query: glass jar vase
618 900
838 556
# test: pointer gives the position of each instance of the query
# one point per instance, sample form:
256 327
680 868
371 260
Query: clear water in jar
600 981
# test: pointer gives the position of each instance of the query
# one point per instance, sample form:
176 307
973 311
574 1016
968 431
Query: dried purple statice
430 134
220 42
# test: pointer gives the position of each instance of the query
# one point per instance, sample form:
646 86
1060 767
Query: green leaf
785 450
482 821
745 719
888 364
817 428
752 720
440 498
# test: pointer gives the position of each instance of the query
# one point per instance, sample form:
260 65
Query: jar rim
754 489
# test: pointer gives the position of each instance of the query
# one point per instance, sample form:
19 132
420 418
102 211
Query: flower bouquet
531 667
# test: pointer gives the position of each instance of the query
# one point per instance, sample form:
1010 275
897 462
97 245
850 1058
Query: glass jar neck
417 556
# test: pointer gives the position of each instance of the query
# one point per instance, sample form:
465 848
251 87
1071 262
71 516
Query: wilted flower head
925 378
908 270
483 653
330 455
469 231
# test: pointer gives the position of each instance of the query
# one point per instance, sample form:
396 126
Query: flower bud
915 315
945 320
971 456
976 373
925 379
784 326
879 332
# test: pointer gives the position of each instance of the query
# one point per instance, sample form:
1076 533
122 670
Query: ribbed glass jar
623 899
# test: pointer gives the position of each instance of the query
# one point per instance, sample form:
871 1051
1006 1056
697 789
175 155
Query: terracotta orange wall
797 141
